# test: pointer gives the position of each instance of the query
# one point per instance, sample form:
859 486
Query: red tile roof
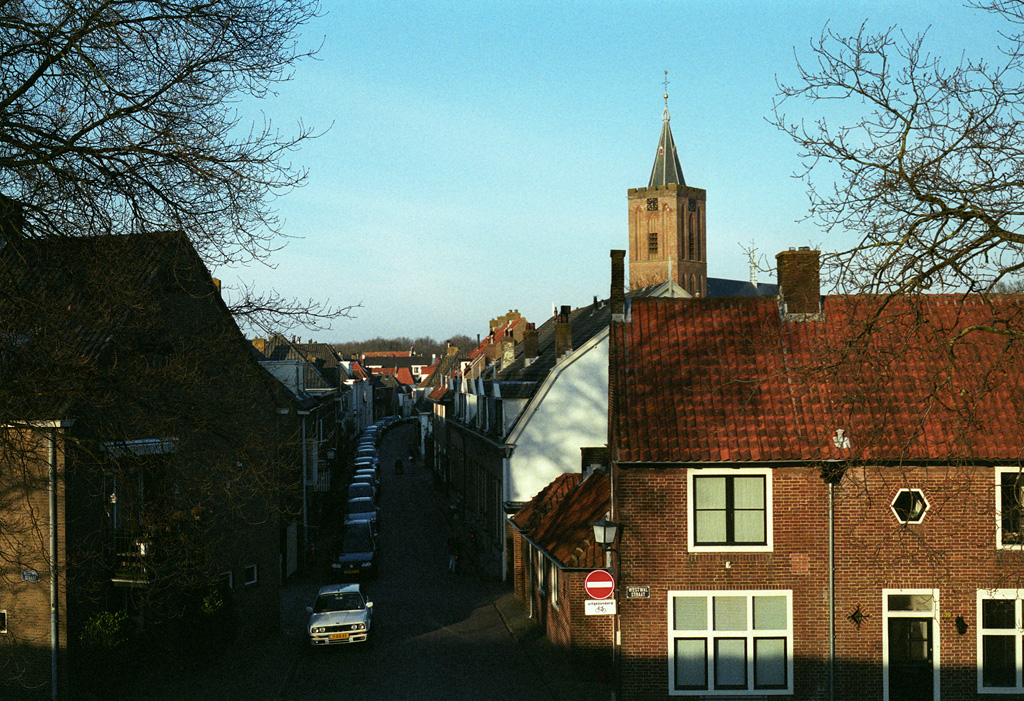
559 519
725 380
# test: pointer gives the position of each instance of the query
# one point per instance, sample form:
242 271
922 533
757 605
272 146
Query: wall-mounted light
961 625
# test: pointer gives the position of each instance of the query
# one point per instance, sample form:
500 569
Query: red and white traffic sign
599 584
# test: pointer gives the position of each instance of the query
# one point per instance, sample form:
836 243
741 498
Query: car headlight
368 563
319 629
359 626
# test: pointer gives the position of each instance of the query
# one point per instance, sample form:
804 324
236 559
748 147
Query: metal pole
831 593
54 632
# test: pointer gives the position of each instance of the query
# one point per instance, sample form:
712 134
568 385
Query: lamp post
605 533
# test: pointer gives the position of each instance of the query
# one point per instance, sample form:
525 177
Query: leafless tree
924 166
124 116
920 165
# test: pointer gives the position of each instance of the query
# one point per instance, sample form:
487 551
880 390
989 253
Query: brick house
823 495
140 463
554 551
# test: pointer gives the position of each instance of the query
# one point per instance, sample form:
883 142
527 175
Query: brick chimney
618 291
563 332
508 351
530 344
799 284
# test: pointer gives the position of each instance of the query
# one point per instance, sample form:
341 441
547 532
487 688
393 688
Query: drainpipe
52 488
831 592
305 466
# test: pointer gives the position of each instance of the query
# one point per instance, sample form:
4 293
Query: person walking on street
454 550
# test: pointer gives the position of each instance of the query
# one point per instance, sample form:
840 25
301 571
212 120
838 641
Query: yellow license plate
339 636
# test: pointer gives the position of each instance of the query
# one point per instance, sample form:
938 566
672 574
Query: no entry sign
599 584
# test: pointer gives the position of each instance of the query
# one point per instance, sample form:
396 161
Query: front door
911 673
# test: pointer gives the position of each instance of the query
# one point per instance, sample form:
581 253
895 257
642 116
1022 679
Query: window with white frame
1009 507
3 621
730 642
1000 641
251 574
730 510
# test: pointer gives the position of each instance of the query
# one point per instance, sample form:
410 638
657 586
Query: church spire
667 170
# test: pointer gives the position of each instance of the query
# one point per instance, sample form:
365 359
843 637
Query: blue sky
478 154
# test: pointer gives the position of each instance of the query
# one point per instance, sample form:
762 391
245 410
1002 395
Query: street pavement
274 668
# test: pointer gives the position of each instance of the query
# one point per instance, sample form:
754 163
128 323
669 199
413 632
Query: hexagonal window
910 506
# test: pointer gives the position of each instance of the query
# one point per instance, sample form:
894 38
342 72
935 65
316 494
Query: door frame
933 614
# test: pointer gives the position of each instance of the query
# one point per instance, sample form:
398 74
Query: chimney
508 351
799 284
529 344
618 292
563 332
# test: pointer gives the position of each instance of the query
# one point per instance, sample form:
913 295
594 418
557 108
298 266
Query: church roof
667 170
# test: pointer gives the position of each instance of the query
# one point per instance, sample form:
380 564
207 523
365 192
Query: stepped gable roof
558 519
726 380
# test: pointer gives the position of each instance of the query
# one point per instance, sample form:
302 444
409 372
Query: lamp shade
605 532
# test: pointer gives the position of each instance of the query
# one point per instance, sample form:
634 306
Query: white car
340 615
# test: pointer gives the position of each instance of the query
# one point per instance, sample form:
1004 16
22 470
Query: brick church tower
667 224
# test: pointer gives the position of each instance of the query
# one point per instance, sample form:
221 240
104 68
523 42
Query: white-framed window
910 643
1000 641
3 621
552 577
723 643
1009 508
227 579
729 510
252 574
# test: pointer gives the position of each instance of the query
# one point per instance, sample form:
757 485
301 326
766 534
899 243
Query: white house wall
568 412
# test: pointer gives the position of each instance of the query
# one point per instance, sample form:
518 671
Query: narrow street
435 635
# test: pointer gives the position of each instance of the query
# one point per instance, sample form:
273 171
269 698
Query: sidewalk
564 678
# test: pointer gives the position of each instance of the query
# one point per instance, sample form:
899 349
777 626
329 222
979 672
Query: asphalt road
435 635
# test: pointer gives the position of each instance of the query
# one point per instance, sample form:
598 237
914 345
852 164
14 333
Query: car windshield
357 541
338 601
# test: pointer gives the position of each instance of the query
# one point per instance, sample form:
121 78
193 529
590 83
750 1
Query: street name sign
599 584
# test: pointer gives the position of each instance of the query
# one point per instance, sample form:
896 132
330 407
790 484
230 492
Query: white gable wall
568 412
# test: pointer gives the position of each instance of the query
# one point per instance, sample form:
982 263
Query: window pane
769 613
998 613
690 613
730 663
710 527
730 612
749 527
910 602
1012 491
998 668
769 663
748 492
710 492
691 664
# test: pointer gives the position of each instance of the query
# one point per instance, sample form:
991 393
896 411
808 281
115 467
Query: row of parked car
341 613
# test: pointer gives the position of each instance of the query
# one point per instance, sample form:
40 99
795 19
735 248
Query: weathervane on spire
666 115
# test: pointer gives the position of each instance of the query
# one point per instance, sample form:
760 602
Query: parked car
362 489
370 461
368 476
363 509
340 615
353 554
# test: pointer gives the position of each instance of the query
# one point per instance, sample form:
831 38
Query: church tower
667 234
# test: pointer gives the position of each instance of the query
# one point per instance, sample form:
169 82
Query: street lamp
605 532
